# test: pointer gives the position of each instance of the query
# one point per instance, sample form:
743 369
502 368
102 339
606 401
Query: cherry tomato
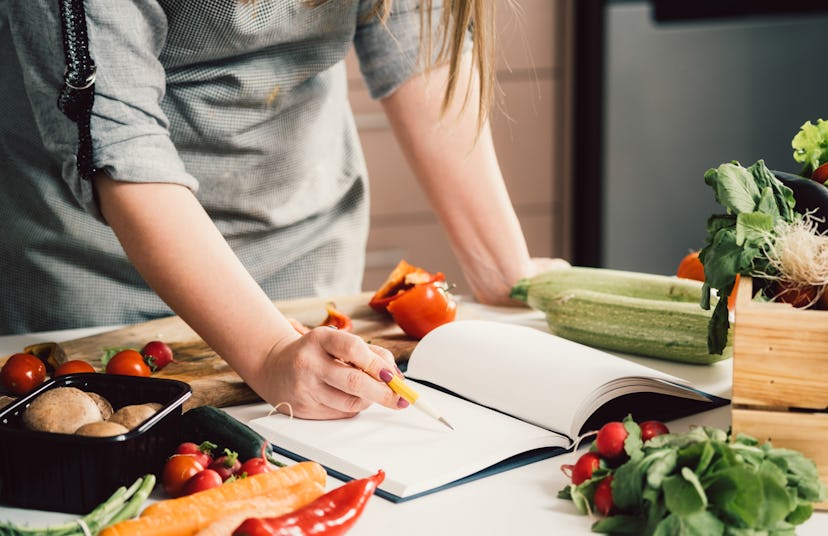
584 467
603 497
227 465
423 308
610 440
129 363
651 429
73 367
178 469
157 354
203 480
22 372
203 452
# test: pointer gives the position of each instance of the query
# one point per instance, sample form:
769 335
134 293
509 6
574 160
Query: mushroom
101 429
61 410
133 415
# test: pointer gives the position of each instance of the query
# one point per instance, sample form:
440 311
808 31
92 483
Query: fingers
351 390
387 356
355 372
354 351
330 374
545 264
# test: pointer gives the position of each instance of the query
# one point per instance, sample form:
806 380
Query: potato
102 403
61 410
101 429
134 415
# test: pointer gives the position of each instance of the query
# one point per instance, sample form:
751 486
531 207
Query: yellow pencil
411 396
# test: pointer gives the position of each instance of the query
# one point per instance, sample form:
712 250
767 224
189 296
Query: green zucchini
621 282
209 423
634 313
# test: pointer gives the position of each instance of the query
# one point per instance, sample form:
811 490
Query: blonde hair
456 19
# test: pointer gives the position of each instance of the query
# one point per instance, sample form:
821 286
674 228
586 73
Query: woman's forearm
459 171
180 253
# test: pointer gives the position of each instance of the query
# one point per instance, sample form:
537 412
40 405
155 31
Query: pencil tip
442 420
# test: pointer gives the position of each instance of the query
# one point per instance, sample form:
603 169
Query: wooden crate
780 376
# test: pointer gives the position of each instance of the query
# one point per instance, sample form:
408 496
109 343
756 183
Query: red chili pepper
332 514
337 318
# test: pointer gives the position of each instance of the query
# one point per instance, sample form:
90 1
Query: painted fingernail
402 403
386 375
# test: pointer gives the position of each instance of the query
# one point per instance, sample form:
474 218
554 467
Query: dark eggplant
810 196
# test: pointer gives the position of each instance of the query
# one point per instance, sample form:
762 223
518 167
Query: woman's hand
326 374
493 288
544 264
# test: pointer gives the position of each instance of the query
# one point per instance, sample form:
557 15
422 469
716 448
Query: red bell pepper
423 308
402 278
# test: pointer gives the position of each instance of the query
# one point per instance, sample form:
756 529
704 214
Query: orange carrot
296 485
243 488
193 519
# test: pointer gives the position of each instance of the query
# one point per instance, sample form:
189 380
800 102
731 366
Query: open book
514 395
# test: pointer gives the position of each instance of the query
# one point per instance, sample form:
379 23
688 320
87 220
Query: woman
230 173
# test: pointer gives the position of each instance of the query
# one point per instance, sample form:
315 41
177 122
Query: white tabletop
522 500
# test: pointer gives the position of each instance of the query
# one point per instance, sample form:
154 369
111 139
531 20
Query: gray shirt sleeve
130 138
389 52
130 133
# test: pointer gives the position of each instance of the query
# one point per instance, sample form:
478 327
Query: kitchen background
609 114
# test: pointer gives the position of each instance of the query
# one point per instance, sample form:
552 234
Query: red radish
255 466
584 467
798 296
227 465
203 452
650 429
610 440
603 497
157 354
203 480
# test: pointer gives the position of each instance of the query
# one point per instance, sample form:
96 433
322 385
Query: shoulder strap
78 92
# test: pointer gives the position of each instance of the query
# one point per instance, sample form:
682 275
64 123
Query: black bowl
810 196
73 474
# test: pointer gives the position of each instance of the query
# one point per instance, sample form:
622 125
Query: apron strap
78 91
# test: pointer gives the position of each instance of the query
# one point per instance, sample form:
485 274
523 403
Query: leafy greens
700 482
755 200
811 145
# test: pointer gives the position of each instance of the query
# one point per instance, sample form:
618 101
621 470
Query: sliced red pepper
332 514
403 277
337 318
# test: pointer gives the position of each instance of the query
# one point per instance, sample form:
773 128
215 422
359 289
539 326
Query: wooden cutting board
212 380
